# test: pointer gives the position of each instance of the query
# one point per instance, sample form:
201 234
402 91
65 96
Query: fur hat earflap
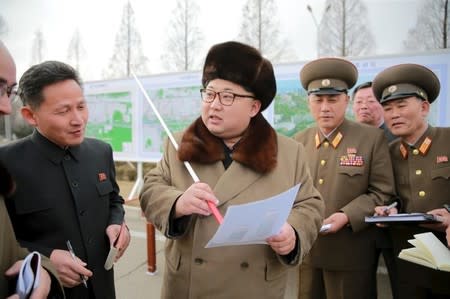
243 65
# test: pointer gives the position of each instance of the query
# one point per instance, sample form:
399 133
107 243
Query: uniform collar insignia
317 139
335 142
423 148
403 151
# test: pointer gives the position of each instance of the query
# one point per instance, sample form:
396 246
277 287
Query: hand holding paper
32 279
118 246
284 242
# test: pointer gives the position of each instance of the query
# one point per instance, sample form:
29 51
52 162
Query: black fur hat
243 65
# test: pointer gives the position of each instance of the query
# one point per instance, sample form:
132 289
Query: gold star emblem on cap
326 82
392 88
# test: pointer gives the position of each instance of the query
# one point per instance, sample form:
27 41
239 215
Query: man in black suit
66 187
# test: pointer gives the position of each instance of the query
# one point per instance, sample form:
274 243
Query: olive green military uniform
352 170
422 176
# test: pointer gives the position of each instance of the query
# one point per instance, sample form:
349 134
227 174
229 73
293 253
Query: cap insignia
392 88
326 82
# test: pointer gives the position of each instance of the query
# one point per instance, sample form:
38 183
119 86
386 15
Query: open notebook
427 251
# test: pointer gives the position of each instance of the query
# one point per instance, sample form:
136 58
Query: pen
74 257
392 205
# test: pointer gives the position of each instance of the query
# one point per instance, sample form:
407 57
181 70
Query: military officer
351 168
421 165
368 110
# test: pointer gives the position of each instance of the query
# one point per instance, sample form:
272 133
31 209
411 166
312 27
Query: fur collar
257 149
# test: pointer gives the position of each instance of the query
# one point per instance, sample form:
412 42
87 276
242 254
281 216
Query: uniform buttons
323 162
66 157
82 212
320 181
244 265
198 261
75 184
418 172
415 152
326 144
421 193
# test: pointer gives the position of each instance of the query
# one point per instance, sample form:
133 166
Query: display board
120 115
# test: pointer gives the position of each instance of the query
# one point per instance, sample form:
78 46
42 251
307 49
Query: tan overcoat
11 252
250 271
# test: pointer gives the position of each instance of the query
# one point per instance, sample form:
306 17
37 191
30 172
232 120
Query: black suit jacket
65 194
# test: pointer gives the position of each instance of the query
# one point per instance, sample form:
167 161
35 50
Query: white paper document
28 278
254 222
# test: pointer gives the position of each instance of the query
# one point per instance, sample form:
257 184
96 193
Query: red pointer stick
191 171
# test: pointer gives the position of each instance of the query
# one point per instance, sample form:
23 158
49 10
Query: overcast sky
98 22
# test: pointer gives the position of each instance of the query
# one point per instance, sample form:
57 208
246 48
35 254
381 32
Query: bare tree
38 48
127 55
260 28
344 29
3 26
184 37
432 27
76 51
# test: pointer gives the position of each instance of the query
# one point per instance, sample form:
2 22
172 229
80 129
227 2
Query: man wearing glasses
11 254
239 158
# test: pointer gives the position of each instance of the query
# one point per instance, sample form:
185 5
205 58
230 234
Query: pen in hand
74 257
392 205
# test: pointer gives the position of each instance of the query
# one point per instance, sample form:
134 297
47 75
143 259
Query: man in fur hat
351 168
421 165
240 159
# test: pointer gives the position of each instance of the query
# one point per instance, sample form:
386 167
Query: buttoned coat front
65 195
249 271
422 175
353 189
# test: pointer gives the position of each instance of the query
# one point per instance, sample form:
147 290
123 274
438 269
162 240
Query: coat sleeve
307 213
12 252
380 189
158 197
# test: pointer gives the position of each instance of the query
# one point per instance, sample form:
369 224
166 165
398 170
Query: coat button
326 144
323 162
415 152
75 184
320 181
67 157
421 193
82 212
198 261
418 172
244 265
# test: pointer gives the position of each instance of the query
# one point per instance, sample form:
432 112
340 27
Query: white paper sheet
28 278
254 222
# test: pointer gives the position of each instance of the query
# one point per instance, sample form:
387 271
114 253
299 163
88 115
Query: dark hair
39 76
361 86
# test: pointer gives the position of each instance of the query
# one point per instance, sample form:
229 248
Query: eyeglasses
226 98
10 91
